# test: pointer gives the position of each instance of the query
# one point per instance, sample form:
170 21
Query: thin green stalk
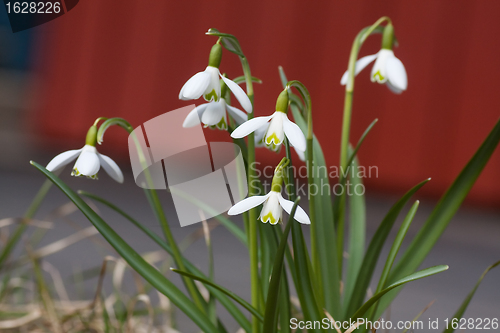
346 124
30 212
316 262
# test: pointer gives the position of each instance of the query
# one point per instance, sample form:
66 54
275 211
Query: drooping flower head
207 83
213 114
387 69
273 129
274 203
89 161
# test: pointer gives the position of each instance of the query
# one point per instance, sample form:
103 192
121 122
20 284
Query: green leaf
221 297
271 309
461 310
443 212
148 272
325 231
357 229
229 293
394 251
372 254
304 288
412 277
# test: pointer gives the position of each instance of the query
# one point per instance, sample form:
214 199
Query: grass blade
274 286
373 252
412 277
461 310
221 297
357 230
329 276
149 273
229 293
443 212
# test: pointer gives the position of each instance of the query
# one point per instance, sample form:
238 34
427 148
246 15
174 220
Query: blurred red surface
130 58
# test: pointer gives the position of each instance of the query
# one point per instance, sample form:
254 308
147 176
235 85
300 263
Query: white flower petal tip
87 164
396 74
360 65
111 168
300 215
294 134
194 117
213 114
272 211
239 116
250 126
247 204
62 159
240 94
195 86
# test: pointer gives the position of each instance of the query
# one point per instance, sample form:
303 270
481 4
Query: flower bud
388 37
282 102
91 138
215 56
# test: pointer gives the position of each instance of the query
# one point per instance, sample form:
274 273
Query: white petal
87 163
213 85
379 69
247 204
301 154
275 131
250 126
240 94
111 168
294 134
396 73
213 114
62 159
360 65
239 116
393 89
300 214
271 212
259 135
194 117
195 86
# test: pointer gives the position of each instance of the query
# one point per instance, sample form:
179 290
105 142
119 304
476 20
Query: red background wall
129 58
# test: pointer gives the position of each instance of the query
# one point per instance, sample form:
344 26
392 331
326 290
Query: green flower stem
346 124
316 262
252 213
30 212
157 208
306 293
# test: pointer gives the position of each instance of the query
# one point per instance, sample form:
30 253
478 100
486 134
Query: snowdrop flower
213 114
274 127
274 203
259 142
207 83
387 68
88 160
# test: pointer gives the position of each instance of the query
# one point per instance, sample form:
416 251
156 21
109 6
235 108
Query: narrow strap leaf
372 254
229 293
221 297
148 272
274 285
461 310
412 277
